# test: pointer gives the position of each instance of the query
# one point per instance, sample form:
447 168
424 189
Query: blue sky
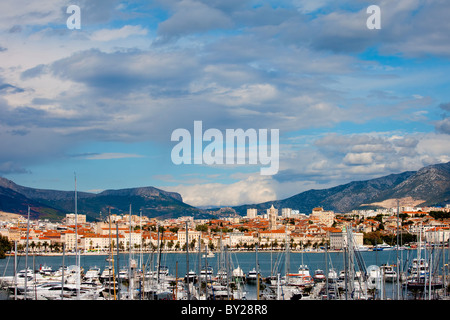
350 103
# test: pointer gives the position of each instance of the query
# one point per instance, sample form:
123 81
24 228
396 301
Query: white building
96 242
286 212
192 234
252 213
437 235
321 216
339 240
241 238
68 238
271 236
135 237
70 218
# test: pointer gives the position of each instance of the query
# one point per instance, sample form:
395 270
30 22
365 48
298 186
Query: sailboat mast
398 261
199 270
130 280
118 257
15 270
111 251
187 261
158 256
26 256
76 241
141 256
62 272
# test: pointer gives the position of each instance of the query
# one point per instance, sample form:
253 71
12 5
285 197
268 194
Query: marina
282 275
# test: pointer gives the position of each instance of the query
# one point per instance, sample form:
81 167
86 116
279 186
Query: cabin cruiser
332 276
92 274
123 274
382 247
319 275
206 273
191 276
107 274
46 270
389 274
252 275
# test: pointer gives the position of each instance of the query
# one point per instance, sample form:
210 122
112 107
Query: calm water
245 260
268 261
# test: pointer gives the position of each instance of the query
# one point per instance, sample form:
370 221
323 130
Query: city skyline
350 103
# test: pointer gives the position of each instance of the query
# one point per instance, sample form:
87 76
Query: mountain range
429 186
54 204
426 187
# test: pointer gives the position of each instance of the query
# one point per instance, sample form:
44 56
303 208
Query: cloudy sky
350 103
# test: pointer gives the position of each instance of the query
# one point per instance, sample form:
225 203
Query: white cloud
253 189
115 34
358 158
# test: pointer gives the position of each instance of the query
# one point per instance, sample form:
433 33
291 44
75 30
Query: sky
101 101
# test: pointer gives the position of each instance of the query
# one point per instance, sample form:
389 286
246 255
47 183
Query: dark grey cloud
19 132
192 16
443 126
9 88
36 71
127 71
445 106
15 29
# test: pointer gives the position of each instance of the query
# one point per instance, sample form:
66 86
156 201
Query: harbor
231 275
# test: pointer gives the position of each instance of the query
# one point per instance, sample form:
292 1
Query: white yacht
107 274
389 274
252 275
319 275
92 274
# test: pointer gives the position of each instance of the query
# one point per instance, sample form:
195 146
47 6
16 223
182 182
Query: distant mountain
427 186
55 204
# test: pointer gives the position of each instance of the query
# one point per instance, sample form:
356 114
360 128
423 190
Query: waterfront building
94 241
192 234
437 235
241 239
68 238
339 240
272 236
133 237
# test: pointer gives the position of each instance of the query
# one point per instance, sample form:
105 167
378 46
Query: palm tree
170 244
45 244
32 245
192 244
